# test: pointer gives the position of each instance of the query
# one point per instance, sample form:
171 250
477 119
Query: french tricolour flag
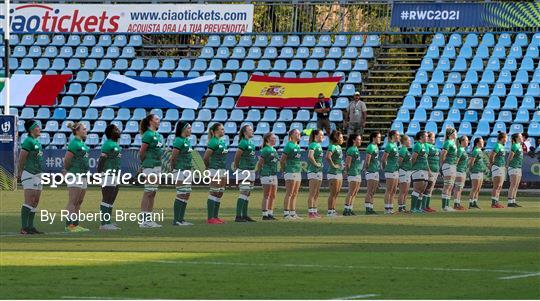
34 89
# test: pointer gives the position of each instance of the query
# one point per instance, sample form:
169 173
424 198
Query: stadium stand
483 83
231 58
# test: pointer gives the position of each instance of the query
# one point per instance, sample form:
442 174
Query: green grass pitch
485 254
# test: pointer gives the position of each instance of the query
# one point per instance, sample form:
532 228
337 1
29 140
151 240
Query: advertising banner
487 14
130 18
8 140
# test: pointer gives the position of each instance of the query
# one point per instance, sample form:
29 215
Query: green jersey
479 164
405 156
451 152
433 157
373 165
34 159
270 166
247 159
184 159
421 150
500 155
219 156
462 159
517 160
392 164
293 152
154 151
112 150
337 159
356 162
317 155
79 162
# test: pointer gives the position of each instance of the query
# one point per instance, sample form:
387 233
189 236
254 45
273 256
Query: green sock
414 201
104 210
245 208
210 205
239 206
424 202
428 200
176 210
31 219
216 209
443 202
182 212
25 214
494 201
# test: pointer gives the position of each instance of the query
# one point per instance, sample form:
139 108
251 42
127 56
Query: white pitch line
287 265
357 297
519 276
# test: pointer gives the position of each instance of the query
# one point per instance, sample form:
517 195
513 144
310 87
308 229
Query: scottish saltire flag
152 92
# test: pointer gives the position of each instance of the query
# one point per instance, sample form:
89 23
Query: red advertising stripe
46 90
276 102
275 79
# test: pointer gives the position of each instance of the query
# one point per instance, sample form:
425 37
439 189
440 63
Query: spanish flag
281 92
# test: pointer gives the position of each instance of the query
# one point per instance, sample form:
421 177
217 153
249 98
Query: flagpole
7 30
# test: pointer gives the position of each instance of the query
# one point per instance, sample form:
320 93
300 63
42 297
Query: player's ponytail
212 129
30 125
334 136
145 123
449 132
350 140
243 130
180 127
515 137
313 134
74 127
266 139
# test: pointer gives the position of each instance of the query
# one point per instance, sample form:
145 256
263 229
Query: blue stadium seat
356 41
334 53
262 128
90 114
398 126
449 89
460 64
437 77
432 52
482 90
414 127
522 77
409 103
471 77
493 64
229 41
420 115
446 125
132 127
107 114
253 115
270 115
234 90
230 128
237 115
498 127
436 116
261 41
465 129
471 116
270 53
426 102
128 53
286 53
57 40
245 41
534 129
366 53
123 114
339 41
426 64
438 40
293 41
279 128
465 90
276 41
454 78
215 65
347 90
482 129
112 53
488 115
350 53
443 64
328 65
449 52
138 114
199 65
213 41
533 89
454 115
532 52
372 41
528 103
355 77
360 65
505 116
240 78
465 52
499 90
415 90
204 115
510 103
522 116
431 127
505 40
264 65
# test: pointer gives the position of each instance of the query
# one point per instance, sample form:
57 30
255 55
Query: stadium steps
387 82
